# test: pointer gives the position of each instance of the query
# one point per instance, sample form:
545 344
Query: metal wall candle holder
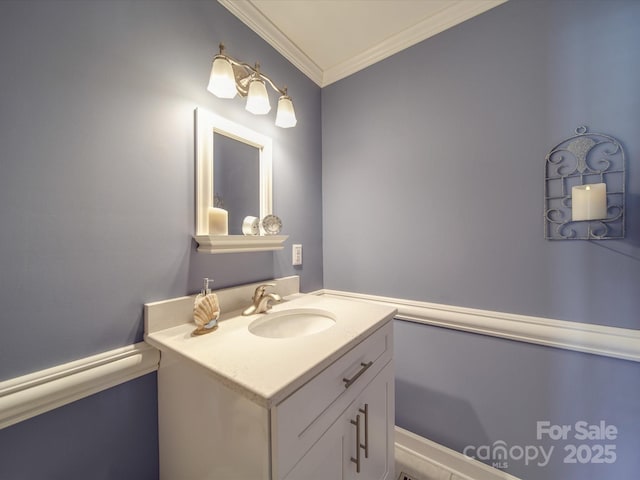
584 159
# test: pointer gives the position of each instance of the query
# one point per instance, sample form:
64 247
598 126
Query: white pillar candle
589 202
218 221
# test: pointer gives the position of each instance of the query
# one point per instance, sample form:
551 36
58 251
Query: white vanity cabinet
323 430
359 444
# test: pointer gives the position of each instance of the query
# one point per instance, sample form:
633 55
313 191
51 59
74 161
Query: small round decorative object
271 225
251 226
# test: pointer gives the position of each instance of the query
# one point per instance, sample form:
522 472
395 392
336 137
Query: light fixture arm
282 91
244 71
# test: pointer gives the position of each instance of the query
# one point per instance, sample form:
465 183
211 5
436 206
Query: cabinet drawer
300 420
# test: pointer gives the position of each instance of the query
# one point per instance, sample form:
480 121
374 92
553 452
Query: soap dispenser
206 310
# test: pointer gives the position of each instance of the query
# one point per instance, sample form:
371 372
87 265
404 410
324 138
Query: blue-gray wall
97 203
111 435
433 168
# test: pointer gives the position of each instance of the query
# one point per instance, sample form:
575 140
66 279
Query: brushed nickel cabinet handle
349 381
366 429
356 460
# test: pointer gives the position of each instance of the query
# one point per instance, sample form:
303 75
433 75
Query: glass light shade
222 82
286 116
257 98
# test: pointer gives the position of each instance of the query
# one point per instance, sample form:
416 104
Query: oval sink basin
297 322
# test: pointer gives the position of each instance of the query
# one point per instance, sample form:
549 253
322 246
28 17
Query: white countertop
267 370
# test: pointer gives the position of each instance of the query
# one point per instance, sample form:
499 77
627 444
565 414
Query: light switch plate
296 254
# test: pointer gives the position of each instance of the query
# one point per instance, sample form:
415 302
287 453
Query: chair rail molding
29 395
621 343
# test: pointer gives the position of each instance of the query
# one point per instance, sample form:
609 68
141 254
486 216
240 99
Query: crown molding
455 13
248 14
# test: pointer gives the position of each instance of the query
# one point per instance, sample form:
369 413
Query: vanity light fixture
230 76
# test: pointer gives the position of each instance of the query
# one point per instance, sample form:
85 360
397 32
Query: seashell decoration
206 311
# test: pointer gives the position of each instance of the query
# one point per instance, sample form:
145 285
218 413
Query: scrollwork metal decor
586 158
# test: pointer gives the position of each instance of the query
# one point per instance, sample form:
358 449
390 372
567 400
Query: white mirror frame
206 124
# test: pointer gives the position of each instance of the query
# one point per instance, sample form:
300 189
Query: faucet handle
261 289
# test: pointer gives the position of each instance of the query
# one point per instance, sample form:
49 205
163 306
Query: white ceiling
331 39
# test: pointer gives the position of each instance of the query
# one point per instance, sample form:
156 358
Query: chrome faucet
262 300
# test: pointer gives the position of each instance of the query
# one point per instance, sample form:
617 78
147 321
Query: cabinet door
335 455
375 408
301 419
325 460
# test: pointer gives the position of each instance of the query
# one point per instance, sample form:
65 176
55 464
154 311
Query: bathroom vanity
234 404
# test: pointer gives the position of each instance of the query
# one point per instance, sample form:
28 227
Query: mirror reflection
236 179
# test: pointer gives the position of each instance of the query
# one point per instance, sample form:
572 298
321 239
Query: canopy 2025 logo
596 445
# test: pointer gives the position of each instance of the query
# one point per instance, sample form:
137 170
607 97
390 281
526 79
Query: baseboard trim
621 343
29 395
427 460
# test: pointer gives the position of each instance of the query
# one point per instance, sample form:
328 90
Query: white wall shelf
239 243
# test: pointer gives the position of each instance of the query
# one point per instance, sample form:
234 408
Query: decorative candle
218 221
589 202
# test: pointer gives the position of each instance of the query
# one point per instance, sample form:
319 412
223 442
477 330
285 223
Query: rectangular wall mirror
233 171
